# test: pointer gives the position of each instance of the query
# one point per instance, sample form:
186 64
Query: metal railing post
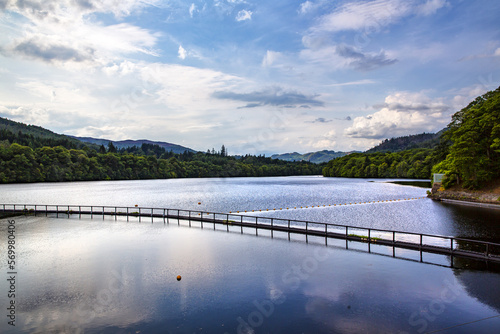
307 239
272 228
346 235
326 234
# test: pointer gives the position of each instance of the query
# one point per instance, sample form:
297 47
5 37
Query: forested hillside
474 156
124 144
34 136
41 155
415 164
423 140
23 164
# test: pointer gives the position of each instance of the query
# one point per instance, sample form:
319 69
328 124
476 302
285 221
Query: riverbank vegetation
19 163
467 151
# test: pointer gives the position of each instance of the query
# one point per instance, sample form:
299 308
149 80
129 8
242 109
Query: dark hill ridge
423 140
119 144
34 130
33 135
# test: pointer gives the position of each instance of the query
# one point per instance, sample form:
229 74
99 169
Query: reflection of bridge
451 246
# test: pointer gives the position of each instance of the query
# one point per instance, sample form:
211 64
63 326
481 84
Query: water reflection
97 276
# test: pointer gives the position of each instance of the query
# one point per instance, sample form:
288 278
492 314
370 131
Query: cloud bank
401 114
271 97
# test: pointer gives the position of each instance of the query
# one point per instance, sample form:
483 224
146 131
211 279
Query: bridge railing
327 230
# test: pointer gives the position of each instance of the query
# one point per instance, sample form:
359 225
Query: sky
259 77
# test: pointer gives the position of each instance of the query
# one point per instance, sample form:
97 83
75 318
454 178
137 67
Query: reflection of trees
471 221
480 282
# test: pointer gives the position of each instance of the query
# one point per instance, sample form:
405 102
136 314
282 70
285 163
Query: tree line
414 164
20 163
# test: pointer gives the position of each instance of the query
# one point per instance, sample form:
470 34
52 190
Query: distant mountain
423 140
315 157
119 144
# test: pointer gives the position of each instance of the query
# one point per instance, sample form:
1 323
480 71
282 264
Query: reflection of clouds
84 309
110 277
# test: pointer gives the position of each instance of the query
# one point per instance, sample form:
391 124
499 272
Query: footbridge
420 242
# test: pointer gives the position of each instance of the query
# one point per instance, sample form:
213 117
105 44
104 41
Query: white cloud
270 58
487 54
192 10
61 35
182 52
124 68
372 16
431 7
366 15
327 141
111 103
306 7
244 15
402 114
464 96
64 11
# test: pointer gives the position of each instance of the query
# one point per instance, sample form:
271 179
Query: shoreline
479 198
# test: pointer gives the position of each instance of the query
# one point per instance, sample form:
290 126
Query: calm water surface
240 194
107 276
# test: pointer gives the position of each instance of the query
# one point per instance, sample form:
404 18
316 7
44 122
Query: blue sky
257 76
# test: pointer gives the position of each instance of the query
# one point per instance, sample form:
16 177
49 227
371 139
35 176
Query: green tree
474 156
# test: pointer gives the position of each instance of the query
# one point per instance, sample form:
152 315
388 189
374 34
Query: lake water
107 276
240 194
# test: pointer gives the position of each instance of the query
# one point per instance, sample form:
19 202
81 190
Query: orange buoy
179 277
199 203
